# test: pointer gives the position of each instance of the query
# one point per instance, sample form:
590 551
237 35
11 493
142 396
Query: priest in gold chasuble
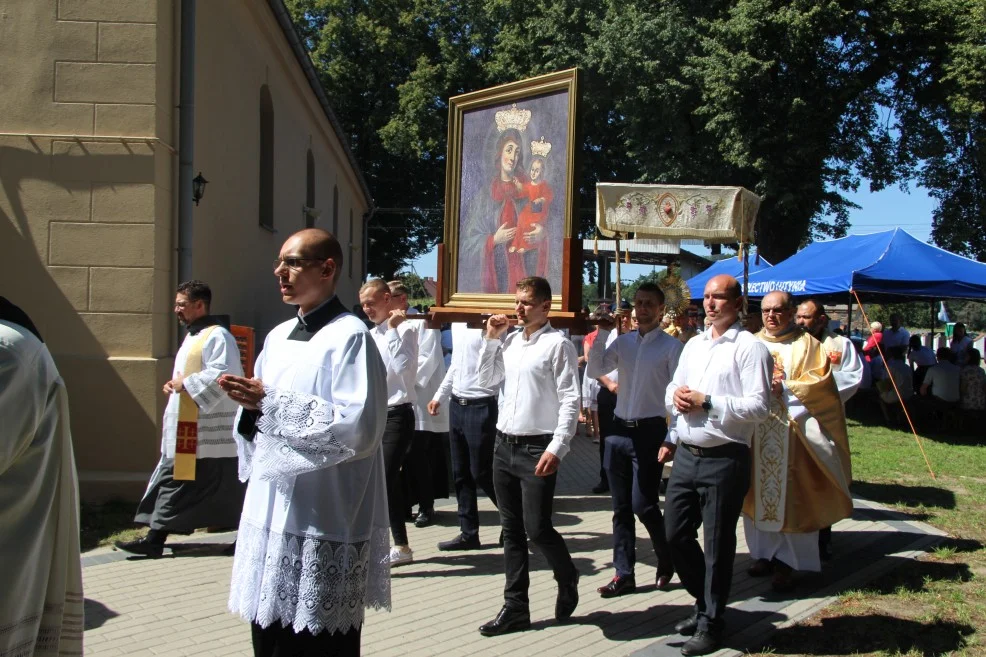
801 463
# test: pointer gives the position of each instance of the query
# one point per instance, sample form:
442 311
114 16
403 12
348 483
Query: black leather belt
400 407
479 401
541 440
657 420
719 451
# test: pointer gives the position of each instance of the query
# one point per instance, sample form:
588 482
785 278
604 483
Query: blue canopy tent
730 266
888 263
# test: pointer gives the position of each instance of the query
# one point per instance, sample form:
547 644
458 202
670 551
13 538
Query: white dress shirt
922 357
540 385
462 377
399 350
645 365
898 338
735 371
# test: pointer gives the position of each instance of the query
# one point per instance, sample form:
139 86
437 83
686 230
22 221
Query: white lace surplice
314 536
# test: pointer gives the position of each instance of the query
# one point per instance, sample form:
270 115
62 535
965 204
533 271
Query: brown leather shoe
663 581
618 586
760 568
783 581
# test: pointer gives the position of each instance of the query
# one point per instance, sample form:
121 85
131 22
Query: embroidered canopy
681 212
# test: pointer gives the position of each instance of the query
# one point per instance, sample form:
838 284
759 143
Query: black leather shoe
507 621
568 599
688 626
143 547
663 580
600 488
424 518
702 643
760 568
460 542
618 586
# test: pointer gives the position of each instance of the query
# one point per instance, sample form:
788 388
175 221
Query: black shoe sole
509 630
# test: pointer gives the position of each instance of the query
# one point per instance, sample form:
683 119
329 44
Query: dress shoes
702 643
568 599
688 626
600 488
460 542
143 547
760 568
783 581
507 621
424 518
663 581
618 586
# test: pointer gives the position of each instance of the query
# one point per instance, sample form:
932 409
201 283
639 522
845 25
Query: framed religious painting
511 195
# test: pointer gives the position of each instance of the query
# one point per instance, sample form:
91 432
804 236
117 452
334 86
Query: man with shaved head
801 467
720 391
313 543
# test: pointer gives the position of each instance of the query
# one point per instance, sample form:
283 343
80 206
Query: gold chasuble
186 445
801 462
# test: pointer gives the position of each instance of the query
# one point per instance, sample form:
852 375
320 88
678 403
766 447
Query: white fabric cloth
735 370
431 373
462 377
399 350
220 355
644 364
799 551
540 385
847 365
944 381
314 537
892 338
590 384
41 604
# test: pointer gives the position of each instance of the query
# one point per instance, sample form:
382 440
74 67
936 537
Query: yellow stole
817 487
187 442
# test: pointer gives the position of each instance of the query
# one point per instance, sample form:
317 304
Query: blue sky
878 212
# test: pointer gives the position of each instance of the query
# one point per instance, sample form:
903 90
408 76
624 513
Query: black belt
479 401
719 451
541 440
644 422
400 407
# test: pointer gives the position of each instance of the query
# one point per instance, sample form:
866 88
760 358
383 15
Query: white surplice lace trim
308 583
293 438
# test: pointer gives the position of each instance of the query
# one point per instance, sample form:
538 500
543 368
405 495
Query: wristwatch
707 404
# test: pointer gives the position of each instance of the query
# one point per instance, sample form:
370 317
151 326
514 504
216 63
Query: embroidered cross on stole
186 444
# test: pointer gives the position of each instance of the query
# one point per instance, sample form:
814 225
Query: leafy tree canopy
800 101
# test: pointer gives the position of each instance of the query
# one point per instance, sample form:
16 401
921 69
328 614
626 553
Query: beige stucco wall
239 48
88 209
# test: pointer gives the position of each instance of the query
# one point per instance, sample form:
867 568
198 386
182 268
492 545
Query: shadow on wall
101 402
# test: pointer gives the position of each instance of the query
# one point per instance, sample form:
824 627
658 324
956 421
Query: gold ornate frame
569 297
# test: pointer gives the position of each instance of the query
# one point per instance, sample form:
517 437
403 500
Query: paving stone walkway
177 605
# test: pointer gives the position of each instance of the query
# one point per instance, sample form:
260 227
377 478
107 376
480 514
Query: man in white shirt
41 608
920 358
312 548
211 495
472 430
719 393
960 344
429 430
539 409
941 383
896 335
397 343
646 360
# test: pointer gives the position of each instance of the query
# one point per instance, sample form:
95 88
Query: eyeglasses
294 263
181 304
773 311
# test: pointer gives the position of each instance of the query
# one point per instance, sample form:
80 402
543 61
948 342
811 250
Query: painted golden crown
540 148
512 118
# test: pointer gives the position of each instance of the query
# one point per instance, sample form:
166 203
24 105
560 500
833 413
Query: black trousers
397 438
525 510
472 430
277 641
706 491
635 481
418 471
606 405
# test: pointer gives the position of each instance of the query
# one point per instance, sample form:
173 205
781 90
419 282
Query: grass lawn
937 606
104 523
